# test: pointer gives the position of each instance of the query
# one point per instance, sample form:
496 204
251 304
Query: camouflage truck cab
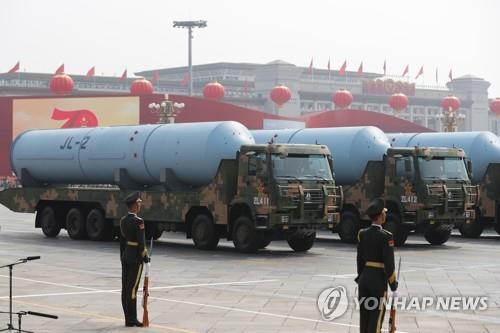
488 208
426 189
248 202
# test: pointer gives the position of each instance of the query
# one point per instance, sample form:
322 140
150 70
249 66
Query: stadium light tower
190 25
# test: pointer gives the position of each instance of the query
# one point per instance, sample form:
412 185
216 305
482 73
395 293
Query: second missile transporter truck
209 180
425 189
483 152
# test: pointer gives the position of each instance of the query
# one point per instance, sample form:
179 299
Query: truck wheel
263 241
204 233
75 224
98 228
349 227
393 225
244 235
153 231
302 241
48 222
437 235
473 229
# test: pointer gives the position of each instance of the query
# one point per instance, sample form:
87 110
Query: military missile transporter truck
425 189
483 151
209 180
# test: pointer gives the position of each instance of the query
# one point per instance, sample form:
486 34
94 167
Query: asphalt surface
274 290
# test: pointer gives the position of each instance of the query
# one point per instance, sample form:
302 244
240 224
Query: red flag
385 67
311 66
406 71
90 73
343 68
360 69
185 80
450 75
420 72
60 70
14 69
124 75
155 77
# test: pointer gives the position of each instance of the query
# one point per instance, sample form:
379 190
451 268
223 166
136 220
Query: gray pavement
274 290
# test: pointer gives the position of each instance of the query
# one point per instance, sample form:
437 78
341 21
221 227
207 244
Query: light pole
166 110
450 119
190 25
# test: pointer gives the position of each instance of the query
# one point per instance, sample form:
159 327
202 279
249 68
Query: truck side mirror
469 167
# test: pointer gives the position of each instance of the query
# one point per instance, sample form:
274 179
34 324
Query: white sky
112 35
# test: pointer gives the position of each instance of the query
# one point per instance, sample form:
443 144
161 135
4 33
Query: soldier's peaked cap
132 198
376 207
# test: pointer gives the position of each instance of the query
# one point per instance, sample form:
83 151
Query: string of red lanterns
342 98
398 102
141 87
61 84
280 95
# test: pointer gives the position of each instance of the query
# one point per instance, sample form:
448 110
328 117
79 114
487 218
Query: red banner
388 87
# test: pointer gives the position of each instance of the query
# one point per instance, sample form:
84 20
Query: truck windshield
301 166
442 168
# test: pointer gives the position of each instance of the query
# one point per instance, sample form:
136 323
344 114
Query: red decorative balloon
214 91
141 87
342 98
450 103
495 106
398 102
61 84
280 95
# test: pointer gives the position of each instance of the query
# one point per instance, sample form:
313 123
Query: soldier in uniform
376 268
133 254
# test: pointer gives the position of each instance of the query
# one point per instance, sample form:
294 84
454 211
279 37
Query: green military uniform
133 254
375 261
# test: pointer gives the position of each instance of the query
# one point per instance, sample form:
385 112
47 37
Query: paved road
274 290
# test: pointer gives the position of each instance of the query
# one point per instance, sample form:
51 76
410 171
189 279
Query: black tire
245 237
76 224
98 227
204 233
473 229
301 240
349 227
437 235
393 225
153 231
263 241
48 222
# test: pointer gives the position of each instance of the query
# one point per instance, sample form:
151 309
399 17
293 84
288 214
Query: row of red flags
91 73
406 72
185 80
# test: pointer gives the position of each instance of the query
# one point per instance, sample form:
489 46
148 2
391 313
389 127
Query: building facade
249 85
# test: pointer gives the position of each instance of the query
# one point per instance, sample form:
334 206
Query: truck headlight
285 219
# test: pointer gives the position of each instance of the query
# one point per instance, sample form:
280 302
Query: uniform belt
374 264
132 243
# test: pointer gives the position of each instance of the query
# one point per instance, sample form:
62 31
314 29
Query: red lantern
280 95
61 84
495 106
398 102
342 98
450 103
214 91
141 87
